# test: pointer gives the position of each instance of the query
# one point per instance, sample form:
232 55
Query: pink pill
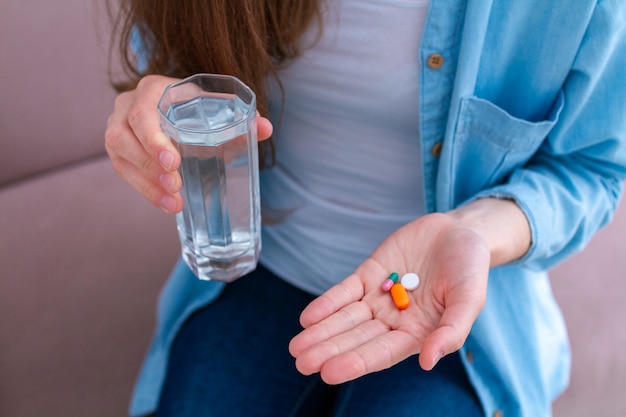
387 284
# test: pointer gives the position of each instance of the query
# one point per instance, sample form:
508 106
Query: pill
388 283
410 281
400 296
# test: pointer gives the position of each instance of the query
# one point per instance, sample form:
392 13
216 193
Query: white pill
410 281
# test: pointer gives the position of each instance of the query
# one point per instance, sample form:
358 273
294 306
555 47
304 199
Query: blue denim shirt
519 99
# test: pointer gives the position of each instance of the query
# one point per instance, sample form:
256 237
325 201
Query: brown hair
249 39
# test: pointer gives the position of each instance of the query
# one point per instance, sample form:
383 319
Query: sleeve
139 49
571 187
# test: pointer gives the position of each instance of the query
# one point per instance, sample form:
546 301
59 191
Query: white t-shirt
348 166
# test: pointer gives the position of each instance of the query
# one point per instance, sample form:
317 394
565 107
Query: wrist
501 223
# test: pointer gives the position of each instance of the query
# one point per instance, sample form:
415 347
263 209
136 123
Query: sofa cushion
591 289
82 259
53 75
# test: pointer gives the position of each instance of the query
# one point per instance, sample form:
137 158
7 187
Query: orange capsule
400 296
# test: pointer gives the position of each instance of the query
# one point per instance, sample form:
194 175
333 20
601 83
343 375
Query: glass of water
212 121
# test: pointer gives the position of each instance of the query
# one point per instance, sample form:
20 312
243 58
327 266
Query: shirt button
436 150
435 61
497 413
469 356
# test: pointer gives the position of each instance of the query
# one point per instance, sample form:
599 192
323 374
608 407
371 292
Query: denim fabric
230 359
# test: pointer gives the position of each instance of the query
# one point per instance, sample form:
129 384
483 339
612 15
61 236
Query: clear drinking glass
212 121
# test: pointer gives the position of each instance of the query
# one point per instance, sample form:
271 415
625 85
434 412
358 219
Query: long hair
249 39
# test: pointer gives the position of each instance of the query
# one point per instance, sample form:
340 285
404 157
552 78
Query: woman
474 143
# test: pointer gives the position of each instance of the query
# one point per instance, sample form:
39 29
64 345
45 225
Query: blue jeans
231 359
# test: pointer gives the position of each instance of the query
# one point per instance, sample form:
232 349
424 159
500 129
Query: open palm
354 328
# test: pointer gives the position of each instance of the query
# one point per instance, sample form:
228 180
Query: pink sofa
82 256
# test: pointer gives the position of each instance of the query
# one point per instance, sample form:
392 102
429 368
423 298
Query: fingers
124 149
139 150
350 344
378 354
264 128
151 190
140 153
369 347
312 359
144 121
347 291
343 320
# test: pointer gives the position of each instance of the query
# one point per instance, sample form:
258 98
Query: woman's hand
140 153
354 328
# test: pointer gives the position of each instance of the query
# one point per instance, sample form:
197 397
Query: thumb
264 127
454 327
443 341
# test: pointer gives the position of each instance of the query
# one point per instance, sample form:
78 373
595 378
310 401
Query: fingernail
167 181
437 357
168 203
167 159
